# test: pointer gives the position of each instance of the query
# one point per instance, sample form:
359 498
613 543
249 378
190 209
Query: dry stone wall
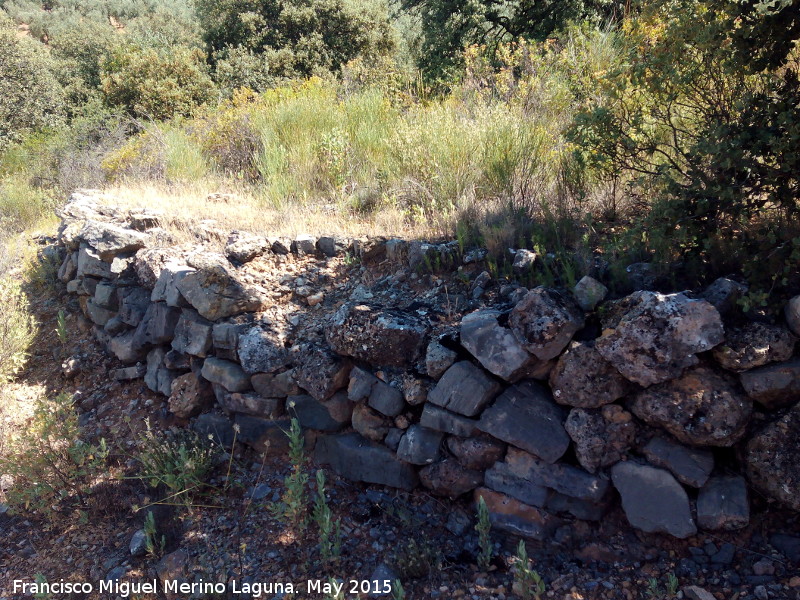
550 404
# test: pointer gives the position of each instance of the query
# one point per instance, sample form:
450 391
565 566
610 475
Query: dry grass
187 206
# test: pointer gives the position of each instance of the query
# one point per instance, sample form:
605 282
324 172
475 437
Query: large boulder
772 459
774 386
701 408
653 337
754 345
497 349
215 292
377 336
544 321
526 417
653 500
602 436
357 459
464 389
584 379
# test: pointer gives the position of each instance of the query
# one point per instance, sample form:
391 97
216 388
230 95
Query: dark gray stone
275 386
360 386
133 305
774 386
496 348
772 459
464 389
219 427
438 359
545 320
580 509
128 373
192 334
386 399
90 264
263 435
105 295
357 459
691 466
477 453
526 416
157 325
330 416
228 374
440 419
722 504
392 439
97 314
115 326
653 500
166 287
420 445
723 294
501 478
125 348
177 360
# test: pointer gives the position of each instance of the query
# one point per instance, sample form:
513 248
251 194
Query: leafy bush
708 130
17 328
297 38
156 83
49 462
31 97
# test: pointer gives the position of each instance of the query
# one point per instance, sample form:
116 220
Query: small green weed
528 584
330 532
152 544
292 508
61 327
484 528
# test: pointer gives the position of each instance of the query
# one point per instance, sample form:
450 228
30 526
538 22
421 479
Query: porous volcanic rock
190 395
545 320
754 345
653 337
377 336
602 437
774 386
582 378
449 478
701 408
772 459
261 350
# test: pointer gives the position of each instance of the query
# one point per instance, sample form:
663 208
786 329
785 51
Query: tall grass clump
17 328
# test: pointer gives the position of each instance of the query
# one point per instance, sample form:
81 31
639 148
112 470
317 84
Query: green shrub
292 508
297 38
31 98
156 83
17 327
177 462
49 462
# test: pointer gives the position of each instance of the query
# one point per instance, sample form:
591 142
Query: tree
296 38
157 83
449 26
30 96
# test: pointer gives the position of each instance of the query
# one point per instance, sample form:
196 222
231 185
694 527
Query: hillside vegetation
659 131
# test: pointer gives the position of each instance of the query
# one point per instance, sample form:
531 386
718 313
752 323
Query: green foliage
292 508
31 97
415 559
528 584
17 328
398 593
484 529
153 545
61 327
297 38
655 591
156 83
709 135
450 26
330 533
49 463
177 462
